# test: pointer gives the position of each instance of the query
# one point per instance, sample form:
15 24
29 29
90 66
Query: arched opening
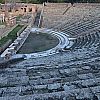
24 9
30 9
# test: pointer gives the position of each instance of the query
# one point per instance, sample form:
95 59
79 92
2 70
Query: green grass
11 36
3 40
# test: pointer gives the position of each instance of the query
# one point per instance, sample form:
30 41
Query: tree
1 1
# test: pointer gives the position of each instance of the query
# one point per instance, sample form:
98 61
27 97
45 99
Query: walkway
36 22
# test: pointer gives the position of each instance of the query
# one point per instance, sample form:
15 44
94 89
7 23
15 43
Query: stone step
82 24
63 78
35 74
82 93
81 27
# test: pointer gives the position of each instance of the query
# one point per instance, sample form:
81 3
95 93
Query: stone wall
19 8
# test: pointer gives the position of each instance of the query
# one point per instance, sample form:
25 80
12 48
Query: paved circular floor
38 42
63 41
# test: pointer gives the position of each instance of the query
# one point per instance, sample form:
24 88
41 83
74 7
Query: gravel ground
38 42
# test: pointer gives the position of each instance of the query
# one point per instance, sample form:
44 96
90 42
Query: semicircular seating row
78 28
87 41
86 33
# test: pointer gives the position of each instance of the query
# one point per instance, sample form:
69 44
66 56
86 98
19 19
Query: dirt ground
38 42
